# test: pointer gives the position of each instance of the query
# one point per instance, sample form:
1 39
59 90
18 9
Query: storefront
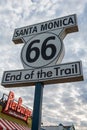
14 115
8 125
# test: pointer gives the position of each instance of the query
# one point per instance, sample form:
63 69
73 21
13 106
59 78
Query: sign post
37 108
41 56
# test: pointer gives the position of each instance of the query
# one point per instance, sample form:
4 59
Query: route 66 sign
42 50
44 41
42 54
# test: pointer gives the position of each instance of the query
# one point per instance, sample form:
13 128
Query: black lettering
73 69
30 30
21 32
32 73
17 33
65 22
60 22
7 78
57 70
43 74
27 76
18 77
68 71
76 68
49 73
56 24
44 27
50 25
70 21
61 72
25 31
12 77
34 29
38 74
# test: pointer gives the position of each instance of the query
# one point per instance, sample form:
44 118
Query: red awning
8 125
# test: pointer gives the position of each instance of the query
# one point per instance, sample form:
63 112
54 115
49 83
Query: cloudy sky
62 103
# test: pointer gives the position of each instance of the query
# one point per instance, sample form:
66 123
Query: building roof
60 127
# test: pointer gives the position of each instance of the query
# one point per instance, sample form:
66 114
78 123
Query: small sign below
68 72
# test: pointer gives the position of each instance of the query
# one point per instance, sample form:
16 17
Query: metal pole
37 108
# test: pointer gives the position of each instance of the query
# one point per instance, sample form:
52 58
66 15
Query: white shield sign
44 41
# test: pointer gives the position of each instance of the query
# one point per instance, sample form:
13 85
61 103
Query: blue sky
62 103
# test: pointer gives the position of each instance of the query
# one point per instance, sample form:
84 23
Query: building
13 114
60 127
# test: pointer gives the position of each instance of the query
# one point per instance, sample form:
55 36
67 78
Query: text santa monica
45 26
